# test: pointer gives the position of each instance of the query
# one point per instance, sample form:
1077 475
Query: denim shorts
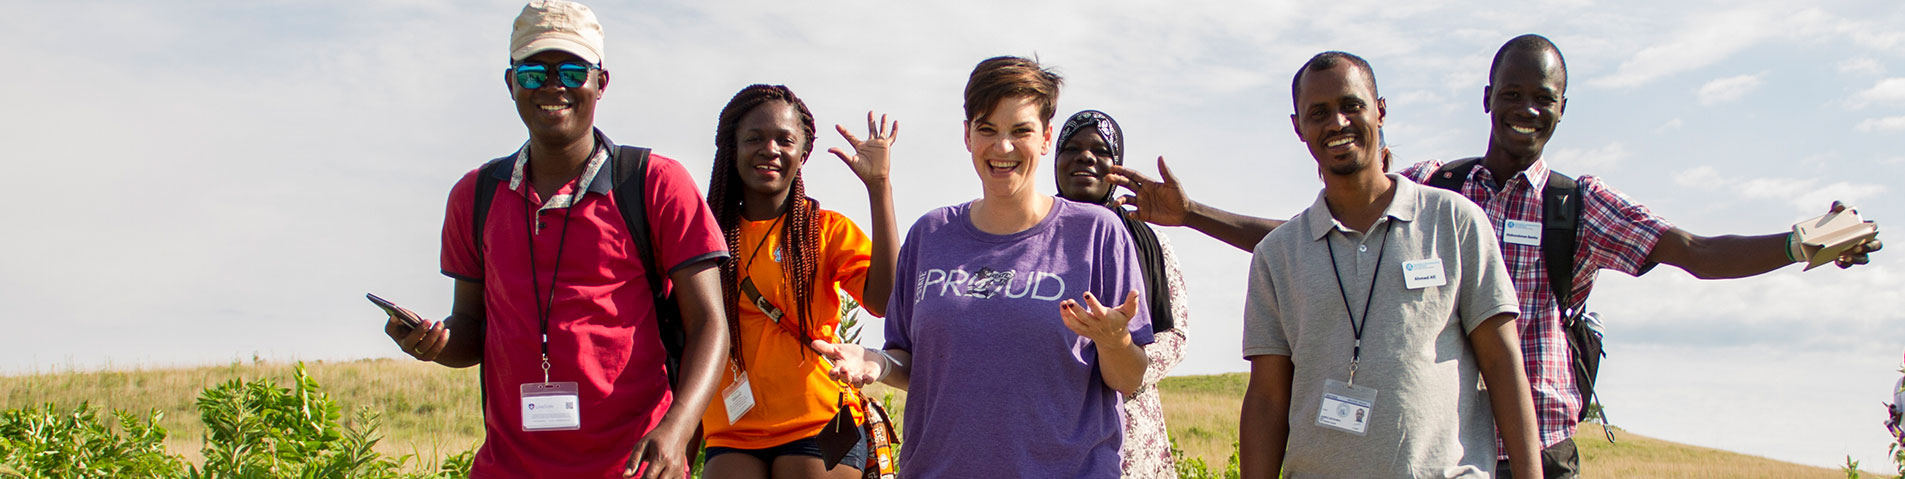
807 446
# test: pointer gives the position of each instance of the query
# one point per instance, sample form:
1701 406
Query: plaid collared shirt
1616 233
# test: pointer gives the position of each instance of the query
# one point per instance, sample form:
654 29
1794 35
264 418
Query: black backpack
1560 220
629 165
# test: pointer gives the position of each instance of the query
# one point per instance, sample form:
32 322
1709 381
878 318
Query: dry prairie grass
1202 414
432 411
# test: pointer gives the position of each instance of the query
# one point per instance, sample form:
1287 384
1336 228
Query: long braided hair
800 233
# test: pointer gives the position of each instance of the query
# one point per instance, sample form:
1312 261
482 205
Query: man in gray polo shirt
1374 318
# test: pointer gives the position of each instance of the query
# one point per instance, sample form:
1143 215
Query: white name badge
551 407
1525 233
1423 273
1346 408
738 397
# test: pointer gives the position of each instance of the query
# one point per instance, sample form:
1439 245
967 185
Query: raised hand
1161 203
869 160
1855 255
1102 324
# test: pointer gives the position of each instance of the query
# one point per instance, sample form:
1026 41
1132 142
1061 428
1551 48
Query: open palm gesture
869 160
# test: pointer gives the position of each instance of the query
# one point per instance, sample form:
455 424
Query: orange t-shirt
793 397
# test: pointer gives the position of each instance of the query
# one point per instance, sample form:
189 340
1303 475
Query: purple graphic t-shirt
1000 387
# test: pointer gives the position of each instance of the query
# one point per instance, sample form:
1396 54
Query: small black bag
840 435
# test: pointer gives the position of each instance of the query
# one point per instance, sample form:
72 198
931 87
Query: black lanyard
769 232
1355 327
542 308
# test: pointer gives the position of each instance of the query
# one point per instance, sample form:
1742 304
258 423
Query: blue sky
202 181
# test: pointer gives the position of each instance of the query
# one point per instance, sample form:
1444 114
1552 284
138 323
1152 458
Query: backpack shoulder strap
630 190
1451 175
1561 208
486 181
631 196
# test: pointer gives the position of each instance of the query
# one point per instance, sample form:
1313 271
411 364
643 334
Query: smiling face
1081 165
1524 102
1006 144
769 150
1339 116
555 113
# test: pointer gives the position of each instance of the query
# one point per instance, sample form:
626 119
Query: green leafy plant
43 442
254 429
1196 468
849 328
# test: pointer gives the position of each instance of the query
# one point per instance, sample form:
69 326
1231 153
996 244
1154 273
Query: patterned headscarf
1150 254
1106 128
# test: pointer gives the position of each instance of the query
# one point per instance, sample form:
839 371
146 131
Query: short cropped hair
1327 60
1529 43
999 78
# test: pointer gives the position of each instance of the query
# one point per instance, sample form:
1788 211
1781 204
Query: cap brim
555 43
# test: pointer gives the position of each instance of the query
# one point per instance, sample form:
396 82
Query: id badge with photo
738 397
1346 408
551 407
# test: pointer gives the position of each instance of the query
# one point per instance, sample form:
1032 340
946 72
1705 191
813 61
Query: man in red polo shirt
554 300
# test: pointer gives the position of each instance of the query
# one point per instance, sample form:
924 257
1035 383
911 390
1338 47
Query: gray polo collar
1402 207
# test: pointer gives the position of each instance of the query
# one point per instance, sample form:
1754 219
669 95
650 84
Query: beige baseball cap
556 25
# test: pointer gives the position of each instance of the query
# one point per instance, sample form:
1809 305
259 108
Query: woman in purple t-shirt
995 325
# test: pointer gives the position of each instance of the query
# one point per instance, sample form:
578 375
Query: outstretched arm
1164 203
1735 256
870 161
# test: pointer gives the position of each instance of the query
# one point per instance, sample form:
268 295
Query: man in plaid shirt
1525 98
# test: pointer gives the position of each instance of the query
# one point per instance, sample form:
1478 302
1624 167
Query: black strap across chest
1560 222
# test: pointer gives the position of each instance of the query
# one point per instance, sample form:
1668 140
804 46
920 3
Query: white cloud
1889 90
1600 160
1711 37
1806 195
1890 123
1730 88
1670 125
1861 66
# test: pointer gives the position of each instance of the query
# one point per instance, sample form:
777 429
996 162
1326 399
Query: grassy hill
431 411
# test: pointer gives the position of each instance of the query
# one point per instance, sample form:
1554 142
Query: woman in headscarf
1088 145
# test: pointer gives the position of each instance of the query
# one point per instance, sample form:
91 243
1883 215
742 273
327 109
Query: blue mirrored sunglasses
531 76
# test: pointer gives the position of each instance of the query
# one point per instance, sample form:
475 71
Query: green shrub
253 430
42 442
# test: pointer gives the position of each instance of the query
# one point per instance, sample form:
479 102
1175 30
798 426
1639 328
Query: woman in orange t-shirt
789 259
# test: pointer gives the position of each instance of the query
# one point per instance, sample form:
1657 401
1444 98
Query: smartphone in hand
408 319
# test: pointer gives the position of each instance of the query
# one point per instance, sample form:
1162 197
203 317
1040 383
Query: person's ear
604 85
1297 128
1561 109
509 82
1045 147
1488 91
1382 111
965 134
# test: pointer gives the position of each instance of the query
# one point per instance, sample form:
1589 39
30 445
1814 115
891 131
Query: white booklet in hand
1824 237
